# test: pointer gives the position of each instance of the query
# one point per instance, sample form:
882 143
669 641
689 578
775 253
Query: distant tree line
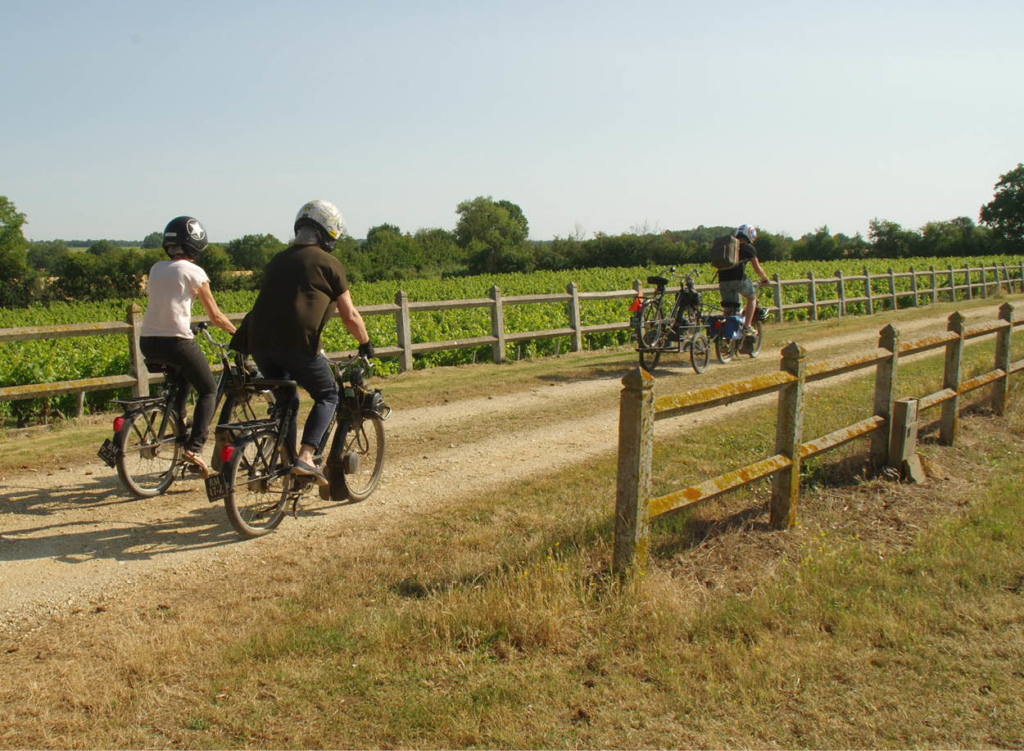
490 236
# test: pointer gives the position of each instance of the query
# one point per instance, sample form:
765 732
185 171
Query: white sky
591 115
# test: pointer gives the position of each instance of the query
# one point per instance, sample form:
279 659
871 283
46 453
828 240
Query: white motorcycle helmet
324 217
747 231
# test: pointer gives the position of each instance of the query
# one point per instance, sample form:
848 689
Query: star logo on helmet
195 230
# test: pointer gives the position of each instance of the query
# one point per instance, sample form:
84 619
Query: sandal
197 461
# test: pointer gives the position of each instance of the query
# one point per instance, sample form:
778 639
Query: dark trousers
313 374
195 372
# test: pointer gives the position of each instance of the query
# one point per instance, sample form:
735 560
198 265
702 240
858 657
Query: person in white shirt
166 334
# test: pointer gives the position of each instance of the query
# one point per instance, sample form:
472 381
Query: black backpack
725 252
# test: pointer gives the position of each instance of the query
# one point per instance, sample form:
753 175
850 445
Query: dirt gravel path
72 537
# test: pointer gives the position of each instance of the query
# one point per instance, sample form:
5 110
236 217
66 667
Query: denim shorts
733 289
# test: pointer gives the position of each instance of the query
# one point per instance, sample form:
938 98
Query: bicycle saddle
658 281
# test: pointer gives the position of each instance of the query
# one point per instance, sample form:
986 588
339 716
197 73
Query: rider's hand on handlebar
366 349
764 283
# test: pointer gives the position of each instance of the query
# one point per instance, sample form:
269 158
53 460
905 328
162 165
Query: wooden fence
892 426
974 281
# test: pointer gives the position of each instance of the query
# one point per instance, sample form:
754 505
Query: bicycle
726 331
255 480
683 329
149 436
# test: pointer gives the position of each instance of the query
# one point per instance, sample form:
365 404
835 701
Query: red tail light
636 304
226 453
118 424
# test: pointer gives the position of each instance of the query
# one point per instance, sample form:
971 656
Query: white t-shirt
172 287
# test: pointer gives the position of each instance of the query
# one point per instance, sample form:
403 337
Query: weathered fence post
885 394
867 291
812 295
633 494
138 362
903 444
777 295
892 289
1022 275
984 283
951 380
497 326
1003 339
952 285
574 317
970 284
403 330
913 286
842 293
935 289
788 436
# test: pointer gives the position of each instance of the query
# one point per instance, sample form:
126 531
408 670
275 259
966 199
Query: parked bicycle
679 330
255 479
149 436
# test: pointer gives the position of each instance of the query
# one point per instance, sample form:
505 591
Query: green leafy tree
493 234
153 240
45 255
957 237
438 251
252 252
101 247
391 254
217 264
1005 212
18 283
890 240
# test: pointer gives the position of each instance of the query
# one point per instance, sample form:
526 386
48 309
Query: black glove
366 350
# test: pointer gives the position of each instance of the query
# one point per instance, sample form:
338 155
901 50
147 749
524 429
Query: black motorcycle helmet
188 233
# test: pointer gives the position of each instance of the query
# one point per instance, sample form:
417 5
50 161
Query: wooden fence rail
892 427
407 348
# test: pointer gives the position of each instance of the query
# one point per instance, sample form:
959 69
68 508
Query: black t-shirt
299 286
739 271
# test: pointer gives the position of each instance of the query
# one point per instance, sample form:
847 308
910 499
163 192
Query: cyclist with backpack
730 255
282 331
166 333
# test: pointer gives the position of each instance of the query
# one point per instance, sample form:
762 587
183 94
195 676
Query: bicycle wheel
699 352
150 451
726 349
257 488
650 333
361 452
652 322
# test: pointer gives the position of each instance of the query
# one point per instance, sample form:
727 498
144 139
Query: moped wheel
150 450
361 455
756 341
725 349
699 352
257 487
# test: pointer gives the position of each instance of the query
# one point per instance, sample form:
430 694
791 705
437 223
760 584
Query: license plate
216 488
108 453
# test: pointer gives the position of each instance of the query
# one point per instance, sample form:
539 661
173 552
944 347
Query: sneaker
749 331
308 470
197 461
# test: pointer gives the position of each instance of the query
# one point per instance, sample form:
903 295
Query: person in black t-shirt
282 331
733 283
